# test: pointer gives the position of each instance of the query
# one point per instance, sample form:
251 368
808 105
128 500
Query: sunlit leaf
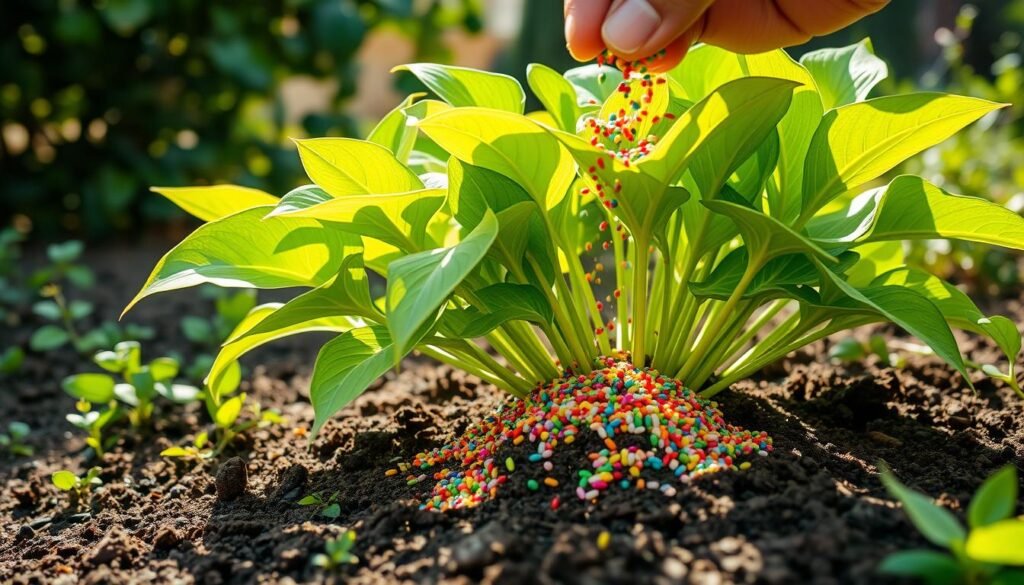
210 203
462 87
345 367
845 75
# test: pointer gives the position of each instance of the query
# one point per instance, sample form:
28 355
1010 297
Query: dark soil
814 511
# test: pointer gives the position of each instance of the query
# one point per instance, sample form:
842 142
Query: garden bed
813 511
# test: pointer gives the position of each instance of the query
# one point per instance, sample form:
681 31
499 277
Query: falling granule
685 435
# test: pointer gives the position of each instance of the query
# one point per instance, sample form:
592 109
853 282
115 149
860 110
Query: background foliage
100 100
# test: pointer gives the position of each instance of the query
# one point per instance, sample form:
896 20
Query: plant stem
622 301
638 333
764 360
715 322
756 326
565 325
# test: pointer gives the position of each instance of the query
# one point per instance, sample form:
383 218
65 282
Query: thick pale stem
638 331
715 323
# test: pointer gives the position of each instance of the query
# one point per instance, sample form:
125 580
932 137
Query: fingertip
583 20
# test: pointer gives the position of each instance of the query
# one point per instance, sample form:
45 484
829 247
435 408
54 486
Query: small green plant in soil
327 506
13 440
226 412
646 238
337 552
986 552
133 397
67 317
79 488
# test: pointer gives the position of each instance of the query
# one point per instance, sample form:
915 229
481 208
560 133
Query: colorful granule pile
686 436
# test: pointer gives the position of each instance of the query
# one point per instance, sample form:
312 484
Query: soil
812 512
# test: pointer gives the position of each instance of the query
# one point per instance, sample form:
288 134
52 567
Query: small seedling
94 422
327 507
984 554
14 439
198 449
66 318
225 411
80 488
850 349
64 267
337 552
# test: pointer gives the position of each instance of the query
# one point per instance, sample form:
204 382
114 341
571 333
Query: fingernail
629 27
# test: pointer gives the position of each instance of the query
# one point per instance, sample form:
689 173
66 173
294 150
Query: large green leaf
936 523
244 250
95 388
957 308
242 342
344 166
419 284
345 367
210 203
399 219
300 198
998 543
845 75
775 279
472 190
720 132
765 236
707 67
912 208
995 500
593 83
858 142
505 143
395 131
908 309
556 94
500 303
463 87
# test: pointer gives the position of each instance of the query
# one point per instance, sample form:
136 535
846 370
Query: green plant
337 552
11 360
727 197
67 316
327 507
80 488
141 385
225 411
981 555
14 439
94 422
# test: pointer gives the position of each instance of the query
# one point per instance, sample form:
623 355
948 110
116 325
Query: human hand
635 29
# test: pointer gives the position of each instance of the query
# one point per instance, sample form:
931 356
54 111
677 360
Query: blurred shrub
99 100
986 160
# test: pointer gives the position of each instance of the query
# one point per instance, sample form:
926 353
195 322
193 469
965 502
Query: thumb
635 29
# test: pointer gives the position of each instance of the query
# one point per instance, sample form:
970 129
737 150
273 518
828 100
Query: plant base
640 430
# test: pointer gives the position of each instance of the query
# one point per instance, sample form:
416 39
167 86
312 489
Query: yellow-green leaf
509 144
343 166
1001 543
244 250
210 203
858 142
462 87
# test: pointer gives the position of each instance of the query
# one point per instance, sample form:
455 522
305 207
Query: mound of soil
813 511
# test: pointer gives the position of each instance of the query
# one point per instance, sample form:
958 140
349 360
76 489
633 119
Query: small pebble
231 479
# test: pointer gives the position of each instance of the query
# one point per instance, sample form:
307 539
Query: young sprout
983 553
327 507
197 450
337 552
14 439
93 422
80 488
226 411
